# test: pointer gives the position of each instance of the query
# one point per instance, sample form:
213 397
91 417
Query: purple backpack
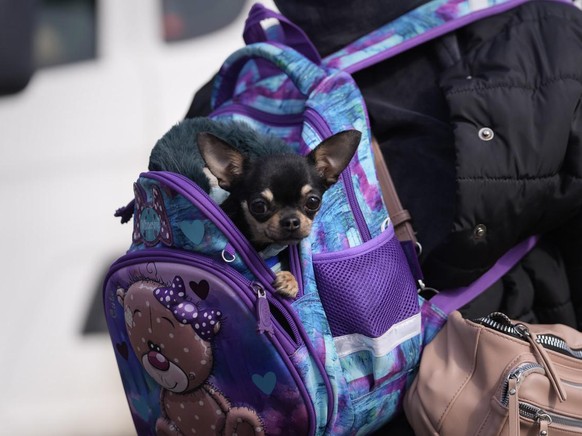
203 344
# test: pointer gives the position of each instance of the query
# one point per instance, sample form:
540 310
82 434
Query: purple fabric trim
301 385
293 35
436 32
353 201
453 299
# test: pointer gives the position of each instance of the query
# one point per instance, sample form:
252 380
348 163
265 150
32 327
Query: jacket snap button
486 134
479 231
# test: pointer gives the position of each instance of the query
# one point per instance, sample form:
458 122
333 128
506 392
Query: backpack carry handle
305 74
290 35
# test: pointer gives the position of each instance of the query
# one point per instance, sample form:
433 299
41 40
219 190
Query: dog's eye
312 203
259 207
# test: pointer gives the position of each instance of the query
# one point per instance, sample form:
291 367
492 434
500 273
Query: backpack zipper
240 244
316 121
183 186
253 290
201 200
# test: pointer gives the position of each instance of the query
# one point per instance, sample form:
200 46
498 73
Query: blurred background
86 89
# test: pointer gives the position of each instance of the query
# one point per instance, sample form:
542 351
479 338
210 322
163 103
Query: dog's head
274 198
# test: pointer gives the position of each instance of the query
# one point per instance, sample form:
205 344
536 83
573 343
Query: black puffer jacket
482 132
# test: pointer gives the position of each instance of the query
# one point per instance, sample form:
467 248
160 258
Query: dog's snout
290 223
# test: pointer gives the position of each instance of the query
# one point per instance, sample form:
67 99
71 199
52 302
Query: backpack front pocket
201 349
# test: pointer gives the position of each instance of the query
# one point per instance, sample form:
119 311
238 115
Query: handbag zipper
527 410
519 373
539 415
320 126
502 323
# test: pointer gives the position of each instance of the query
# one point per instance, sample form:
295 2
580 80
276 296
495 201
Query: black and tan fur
274 198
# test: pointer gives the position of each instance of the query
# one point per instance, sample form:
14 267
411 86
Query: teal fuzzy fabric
177 151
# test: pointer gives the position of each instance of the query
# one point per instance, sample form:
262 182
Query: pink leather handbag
496 376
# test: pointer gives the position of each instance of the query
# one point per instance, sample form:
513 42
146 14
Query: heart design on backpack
193 230
266 383
121 348
201 289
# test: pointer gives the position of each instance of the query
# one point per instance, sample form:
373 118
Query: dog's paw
286 285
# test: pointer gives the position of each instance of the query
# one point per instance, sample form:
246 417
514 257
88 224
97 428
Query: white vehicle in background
112 77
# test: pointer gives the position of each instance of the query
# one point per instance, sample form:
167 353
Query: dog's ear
334 154
222 159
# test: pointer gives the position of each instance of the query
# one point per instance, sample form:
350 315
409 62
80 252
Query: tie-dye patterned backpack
203 344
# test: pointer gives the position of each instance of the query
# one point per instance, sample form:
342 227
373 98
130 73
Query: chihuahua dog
274 198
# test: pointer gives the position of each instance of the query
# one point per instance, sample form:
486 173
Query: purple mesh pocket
366 289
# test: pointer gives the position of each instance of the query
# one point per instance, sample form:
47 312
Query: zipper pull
545 360
125 212
544 420
513 406
228 253
262 311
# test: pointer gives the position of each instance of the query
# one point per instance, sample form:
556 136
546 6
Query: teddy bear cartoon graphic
172 337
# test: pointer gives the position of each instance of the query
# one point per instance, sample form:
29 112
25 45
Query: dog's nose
290 223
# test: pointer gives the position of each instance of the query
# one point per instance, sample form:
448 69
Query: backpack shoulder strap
425 23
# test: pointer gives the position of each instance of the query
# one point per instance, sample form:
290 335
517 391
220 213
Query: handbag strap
453 299
400 217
